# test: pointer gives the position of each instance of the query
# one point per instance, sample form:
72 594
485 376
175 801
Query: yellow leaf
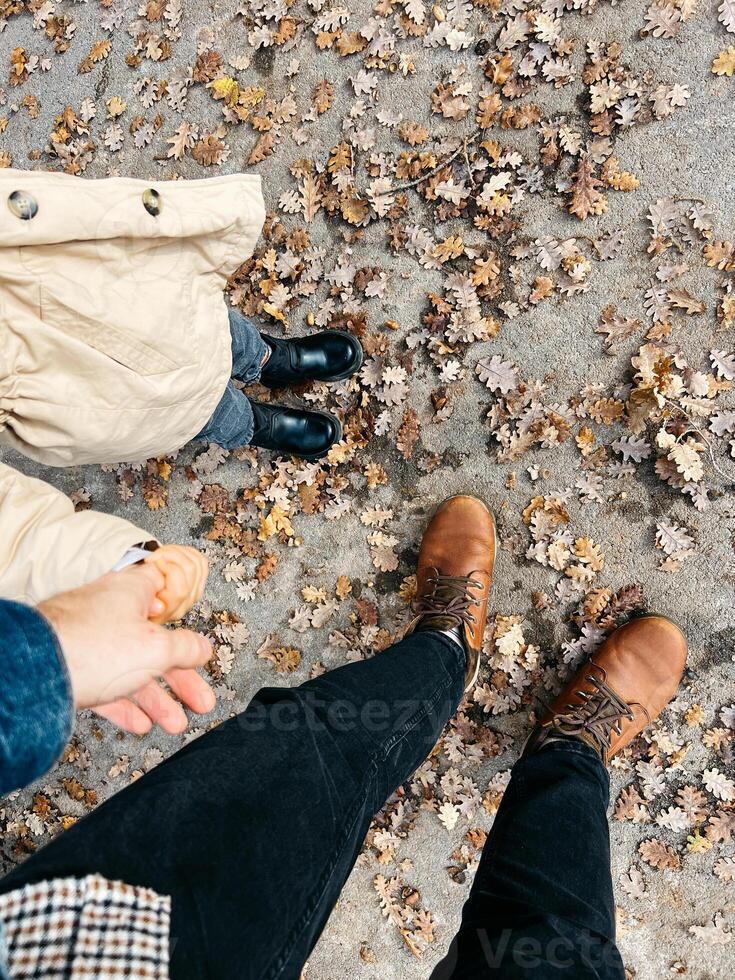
339 453
325 39
695 715
543 287
100 50
227 89
115 107
696 844
18 61
724 63
619 180
340 158
485 270
277 520
585 440
450 248
314 595
251 96
273 311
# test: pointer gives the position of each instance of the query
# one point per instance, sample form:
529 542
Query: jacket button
152 202
22 205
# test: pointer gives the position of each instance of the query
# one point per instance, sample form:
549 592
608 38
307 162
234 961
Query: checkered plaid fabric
79 928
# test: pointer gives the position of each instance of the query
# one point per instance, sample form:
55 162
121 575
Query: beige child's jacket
114 346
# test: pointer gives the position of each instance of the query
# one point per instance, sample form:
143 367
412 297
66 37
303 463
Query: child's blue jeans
232 423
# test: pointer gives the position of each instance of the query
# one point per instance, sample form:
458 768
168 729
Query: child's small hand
185 571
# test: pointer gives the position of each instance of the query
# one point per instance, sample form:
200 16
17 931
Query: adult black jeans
253 828
541 904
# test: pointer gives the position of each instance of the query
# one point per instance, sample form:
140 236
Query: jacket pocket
94 329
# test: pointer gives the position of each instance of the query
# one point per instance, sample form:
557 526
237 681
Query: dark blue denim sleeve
36 706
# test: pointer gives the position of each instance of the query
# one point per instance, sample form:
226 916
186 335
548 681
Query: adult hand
185 572
116 655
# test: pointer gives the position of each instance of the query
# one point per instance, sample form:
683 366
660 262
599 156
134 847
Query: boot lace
449 595
599 715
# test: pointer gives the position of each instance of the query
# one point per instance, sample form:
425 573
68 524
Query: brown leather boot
620 690
455 573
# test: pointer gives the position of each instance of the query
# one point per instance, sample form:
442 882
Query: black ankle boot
328 356
291 431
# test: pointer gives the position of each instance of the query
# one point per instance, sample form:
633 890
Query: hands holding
185 572
117 651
